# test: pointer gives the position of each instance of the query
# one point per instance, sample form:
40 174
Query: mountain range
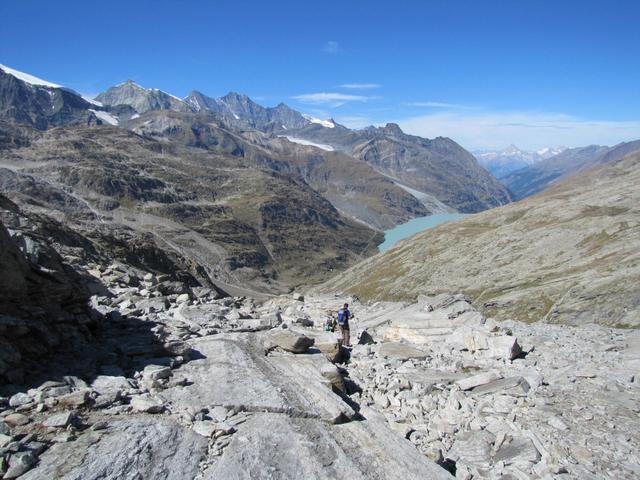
262 197
503 162
540 175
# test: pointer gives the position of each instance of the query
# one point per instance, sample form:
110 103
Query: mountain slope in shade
568 255
535 178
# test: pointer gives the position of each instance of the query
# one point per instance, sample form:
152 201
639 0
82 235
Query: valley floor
190 386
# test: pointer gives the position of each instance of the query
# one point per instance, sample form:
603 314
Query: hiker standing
343 324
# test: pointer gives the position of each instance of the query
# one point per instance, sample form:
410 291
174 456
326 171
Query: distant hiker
330 324
343 324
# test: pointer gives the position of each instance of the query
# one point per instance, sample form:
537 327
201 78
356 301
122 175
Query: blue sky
486 73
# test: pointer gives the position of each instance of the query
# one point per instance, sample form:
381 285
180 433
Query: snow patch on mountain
302 141
30 79
105 117
324 123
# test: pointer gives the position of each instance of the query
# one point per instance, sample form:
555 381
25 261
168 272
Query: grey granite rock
155 450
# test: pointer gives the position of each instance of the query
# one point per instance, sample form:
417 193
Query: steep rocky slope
244 225
537 177
567 255
440 167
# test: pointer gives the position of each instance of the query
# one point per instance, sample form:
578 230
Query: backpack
342 316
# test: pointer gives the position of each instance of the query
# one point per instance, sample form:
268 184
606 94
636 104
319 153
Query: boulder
16 419
365 338
156 372
75 399
19 463
204 428
147 404
183 298
298 297
61 420
516 386
20 399
473 447
504 347
519 449
477 380
5 440
104 384
401 351
290 341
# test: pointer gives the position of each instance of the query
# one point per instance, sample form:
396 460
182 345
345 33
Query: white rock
204 428
156 372
146 403
20 399
505 347
182 298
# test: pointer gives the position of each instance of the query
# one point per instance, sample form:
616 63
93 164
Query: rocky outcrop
43 303
562 256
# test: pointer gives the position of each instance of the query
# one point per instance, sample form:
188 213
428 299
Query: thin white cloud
528 130
331 47
330 99
360 86
456 106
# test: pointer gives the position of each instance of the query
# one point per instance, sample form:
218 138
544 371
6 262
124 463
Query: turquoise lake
393 236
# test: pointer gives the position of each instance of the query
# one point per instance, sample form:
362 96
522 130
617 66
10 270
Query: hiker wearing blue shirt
343 324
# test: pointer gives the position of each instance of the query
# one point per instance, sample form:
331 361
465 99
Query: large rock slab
401 351
231 370
312 391
129 450
235 373
477 380
283 447
517 386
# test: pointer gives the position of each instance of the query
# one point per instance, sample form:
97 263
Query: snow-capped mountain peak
324 123
38 82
